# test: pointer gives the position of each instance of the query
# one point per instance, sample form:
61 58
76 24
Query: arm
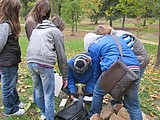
4 32
29 27
91 81
71 81
95 64
62 59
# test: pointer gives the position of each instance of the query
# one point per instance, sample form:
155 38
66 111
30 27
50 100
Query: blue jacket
104 52
85 78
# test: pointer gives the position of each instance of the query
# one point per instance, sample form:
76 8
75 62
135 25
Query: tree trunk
52 9
73 24
76 21
123 21
158 51
110 22
60 6
57 7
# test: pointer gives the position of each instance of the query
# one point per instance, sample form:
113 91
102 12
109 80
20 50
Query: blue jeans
130 101
10 96
43 83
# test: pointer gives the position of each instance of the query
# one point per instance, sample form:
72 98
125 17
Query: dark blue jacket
85 78
104 52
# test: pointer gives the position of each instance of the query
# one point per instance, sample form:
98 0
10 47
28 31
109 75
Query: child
104 52
39 12
10 55
80 71
133 42
45 47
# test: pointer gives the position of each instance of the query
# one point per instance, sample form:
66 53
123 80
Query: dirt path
149 42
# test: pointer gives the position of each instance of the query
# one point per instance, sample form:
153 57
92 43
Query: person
39 12
133 42
10 56
104 52
80 71
45 47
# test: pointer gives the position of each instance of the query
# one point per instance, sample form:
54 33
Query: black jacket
11 53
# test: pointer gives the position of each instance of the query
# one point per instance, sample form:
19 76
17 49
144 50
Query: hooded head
89 38
81 63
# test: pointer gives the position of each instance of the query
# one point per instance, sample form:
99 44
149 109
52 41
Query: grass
149 88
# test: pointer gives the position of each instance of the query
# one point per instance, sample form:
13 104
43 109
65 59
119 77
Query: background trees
73 12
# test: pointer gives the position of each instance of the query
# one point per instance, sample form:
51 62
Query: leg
131 102
47 76
98 94
37 85
9 92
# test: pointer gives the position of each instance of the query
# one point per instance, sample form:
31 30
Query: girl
10 55
45 47
39 12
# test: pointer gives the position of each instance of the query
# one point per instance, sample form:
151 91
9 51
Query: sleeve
4 33
62 59
71 81
91 82
95 64
29 27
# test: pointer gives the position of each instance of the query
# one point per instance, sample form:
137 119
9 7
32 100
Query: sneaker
43 117
19 112
21 105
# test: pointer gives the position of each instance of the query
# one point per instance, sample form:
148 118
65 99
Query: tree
27 5
156 11
92 9
71 13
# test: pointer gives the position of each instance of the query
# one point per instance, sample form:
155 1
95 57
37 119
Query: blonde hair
59 23
103 29
10 11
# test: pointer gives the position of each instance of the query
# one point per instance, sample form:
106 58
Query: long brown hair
10 11
40 6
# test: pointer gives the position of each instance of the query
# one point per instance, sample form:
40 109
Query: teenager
40 11
104 52
45 47
133 42
10 55
80 71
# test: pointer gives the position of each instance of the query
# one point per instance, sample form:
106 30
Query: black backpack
75 111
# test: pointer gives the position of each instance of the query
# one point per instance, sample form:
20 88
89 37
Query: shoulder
30 21
5 26
70 61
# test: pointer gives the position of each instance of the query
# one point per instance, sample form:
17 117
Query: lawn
150 83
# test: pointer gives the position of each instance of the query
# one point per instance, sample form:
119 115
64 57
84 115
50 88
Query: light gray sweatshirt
4 32
46 46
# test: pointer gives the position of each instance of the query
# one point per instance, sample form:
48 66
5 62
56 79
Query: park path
149 42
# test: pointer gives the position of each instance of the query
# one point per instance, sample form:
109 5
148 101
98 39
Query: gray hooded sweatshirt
46 46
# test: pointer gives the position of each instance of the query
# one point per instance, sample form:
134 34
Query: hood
45 24
89 38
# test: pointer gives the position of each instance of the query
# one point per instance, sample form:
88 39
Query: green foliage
71 10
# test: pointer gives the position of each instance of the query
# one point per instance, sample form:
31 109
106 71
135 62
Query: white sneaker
21 105
43 117
19 112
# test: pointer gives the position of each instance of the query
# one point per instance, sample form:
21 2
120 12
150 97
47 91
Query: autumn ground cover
150 83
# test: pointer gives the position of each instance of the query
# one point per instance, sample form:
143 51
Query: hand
65 83
72 97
